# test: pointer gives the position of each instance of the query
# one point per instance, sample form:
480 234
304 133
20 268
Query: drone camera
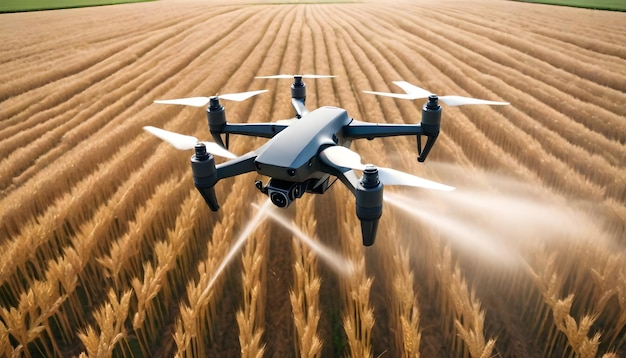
282 192
205 175
369 203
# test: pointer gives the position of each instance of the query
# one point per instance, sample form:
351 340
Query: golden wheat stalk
358 314
110 319
185 332
305 303
28 322
576 333
5 343
304 297
408 306
550 284
621 322
358 320
145 292
63 273
250 319
469 319
195 325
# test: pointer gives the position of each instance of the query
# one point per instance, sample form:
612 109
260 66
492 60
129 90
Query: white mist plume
338 263
252 225
500 219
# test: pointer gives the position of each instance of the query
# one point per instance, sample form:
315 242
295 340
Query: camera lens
279 199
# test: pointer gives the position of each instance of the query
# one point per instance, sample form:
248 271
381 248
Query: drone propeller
344 157
414 92
203 101
286 122
292 76
186 142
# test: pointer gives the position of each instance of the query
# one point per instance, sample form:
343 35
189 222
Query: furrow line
461 64
150 46
372 56
519 58
74 137
35 37
49 232
385 321
571 64
565 30
78 61
530 66
491 154
342 86
280 340
209 317
324 90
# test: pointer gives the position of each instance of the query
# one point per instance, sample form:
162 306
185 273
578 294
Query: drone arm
348 177
239 165
265 130
299 107
358 130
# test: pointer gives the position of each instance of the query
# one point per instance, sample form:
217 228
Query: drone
308 153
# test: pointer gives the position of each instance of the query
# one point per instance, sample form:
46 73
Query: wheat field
108 250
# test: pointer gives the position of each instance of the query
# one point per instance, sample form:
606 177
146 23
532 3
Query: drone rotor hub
433 102
214 103
370 177
201 152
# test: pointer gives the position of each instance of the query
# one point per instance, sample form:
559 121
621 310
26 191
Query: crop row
102 220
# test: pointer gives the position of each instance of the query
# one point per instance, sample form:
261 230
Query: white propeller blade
238 97
203 101
186 142
393 95
460 101
299 107
414 92
191 101
292 76
286 122
344 157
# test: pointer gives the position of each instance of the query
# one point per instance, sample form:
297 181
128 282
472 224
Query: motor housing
369 204
216 116
205 175
298 89
431 124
